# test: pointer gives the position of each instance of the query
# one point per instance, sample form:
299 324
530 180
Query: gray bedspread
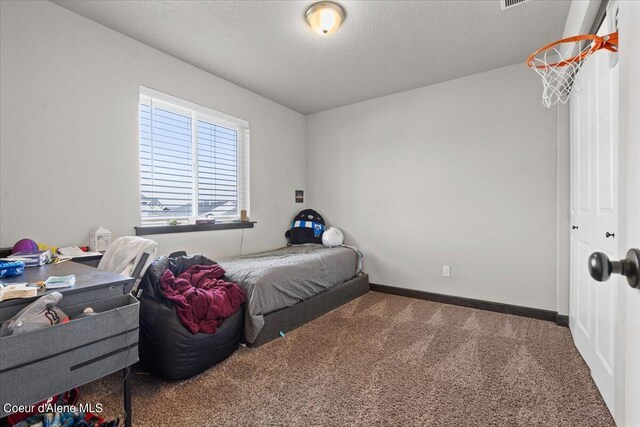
283 277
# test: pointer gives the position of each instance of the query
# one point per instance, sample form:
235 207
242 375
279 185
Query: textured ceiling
383 47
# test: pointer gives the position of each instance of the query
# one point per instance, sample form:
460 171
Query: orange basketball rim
558 63
609 42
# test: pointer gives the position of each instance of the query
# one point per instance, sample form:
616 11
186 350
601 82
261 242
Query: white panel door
594 215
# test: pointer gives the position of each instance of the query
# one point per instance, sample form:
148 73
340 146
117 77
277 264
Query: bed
290 286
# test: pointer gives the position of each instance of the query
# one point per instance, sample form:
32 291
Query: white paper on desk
76 252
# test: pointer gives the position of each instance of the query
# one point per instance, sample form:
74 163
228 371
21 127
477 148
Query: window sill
145 230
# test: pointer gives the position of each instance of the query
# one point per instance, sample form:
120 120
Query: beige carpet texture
382 360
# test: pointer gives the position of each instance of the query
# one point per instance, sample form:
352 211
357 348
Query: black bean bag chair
167 348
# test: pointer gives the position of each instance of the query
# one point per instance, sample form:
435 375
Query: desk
99 283
82 350
91 261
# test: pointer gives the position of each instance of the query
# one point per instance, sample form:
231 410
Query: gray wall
69 139
462 173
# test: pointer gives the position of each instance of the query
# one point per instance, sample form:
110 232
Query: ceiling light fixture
325 17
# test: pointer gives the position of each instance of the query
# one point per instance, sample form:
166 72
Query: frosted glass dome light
325 17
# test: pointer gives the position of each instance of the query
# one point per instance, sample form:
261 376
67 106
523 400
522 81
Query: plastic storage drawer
39 364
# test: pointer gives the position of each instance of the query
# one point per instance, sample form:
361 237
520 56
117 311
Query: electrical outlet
446 271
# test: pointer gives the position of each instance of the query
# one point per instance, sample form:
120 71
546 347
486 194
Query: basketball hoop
558 63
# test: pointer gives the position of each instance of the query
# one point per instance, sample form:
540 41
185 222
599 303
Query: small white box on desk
99 239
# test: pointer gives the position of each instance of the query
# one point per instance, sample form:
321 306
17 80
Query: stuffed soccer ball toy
332 237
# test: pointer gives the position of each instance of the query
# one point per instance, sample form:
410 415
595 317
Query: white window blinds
217 169
193 161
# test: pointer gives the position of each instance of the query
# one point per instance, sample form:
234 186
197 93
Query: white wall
462 173
581 15
69 138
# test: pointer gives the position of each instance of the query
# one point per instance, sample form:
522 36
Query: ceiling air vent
507 4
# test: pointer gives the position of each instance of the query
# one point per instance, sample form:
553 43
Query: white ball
332 237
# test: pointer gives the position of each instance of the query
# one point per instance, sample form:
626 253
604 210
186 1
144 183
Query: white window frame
198 112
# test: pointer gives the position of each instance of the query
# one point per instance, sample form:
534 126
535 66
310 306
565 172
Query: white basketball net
557 80
559 63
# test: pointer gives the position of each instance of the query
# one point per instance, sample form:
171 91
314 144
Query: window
193 161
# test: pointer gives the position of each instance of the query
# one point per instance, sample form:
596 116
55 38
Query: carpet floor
382 360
